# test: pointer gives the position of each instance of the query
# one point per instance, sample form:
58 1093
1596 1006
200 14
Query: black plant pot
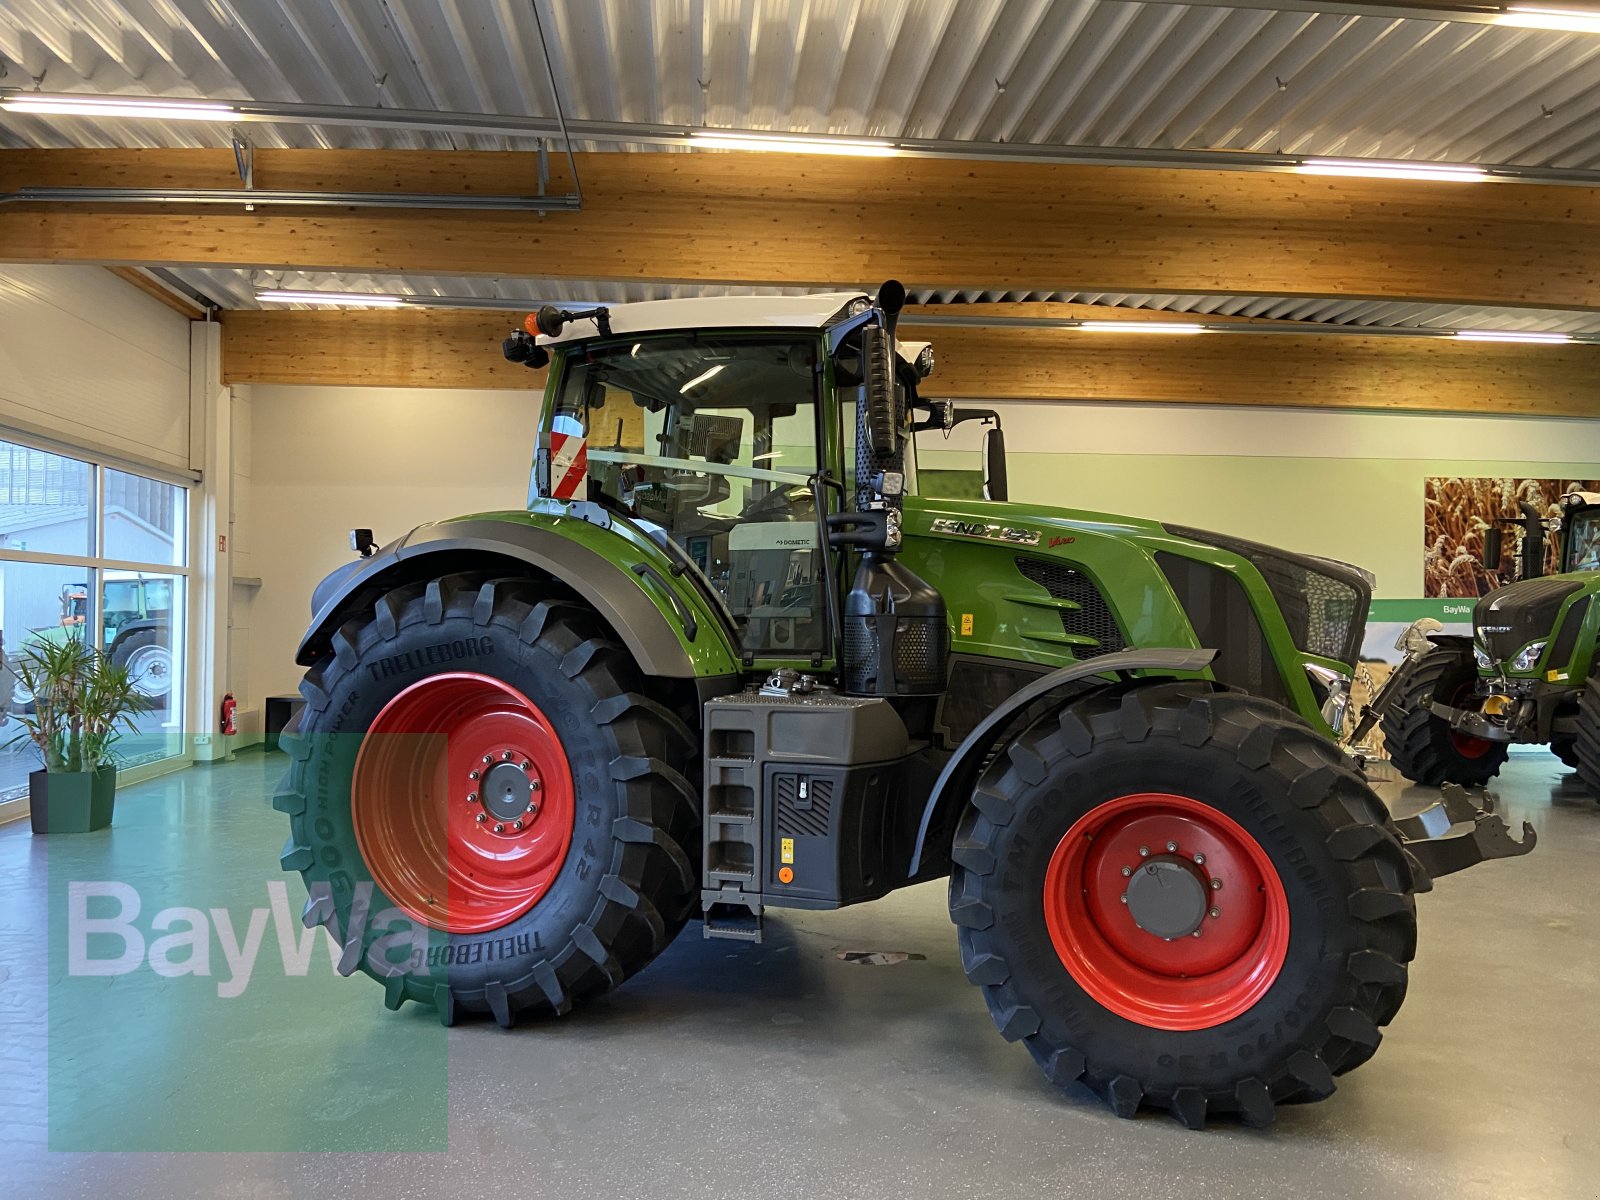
71 801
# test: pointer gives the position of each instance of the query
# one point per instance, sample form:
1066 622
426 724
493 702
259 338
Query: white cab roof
714 312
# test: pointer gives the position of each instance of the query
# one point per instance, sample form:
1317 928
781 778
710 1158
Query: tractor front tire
489 814
1186 899
1586 743
1423 747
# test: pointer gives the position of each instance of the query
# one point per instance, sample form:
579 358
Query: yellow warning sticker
966 624
786 850
1555 676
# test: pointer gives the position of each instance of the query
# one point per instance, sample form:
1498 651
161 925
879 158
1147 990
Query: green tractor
135 623
728 661
1455 705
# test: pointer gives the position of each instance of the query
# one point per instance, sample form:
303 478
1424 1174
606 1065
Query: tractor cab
722 427
1580 531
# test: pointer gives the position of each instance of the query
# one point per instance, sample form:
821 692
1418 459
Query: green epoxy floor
732 1070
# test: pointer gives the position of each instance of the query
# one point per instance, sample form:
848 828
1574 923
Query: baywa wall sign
1455 512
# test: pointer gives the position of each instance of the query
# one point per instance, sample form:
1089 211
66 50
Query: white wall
324 460
90 360
1348 485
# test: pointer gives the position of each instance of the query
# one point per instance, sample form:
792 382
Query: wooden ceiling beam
745 218
461 349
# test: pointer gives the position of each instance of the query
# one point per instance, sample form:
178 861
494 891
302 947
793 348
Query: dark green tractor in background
1526 676
729 661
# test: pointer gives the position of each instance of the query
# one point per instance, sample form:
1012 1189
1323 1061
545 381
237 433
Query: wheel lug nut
472 797
1200 860
1124 899
1215 913
1172 847
1196 933
506 755
517 825
1216 885
480 818
534 784
1144 851
526 764
473 775
1127 871
487 759
499 828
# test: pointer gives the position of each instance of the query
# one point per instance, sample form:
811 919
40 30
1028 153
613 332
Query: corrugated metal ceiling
1085 72
1081 72
236 289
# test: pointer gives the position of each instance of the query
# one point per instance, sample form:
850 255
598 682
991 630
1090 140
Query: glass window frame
96 564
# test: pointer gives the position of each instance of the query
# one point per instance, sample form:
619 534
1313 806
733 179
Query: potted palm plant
82 703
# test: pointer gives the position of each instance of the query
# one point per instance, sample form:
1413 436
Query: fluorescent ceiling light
1141 327
1372 168
699 379
351 299
792 143
1568 20
1512 335
68 104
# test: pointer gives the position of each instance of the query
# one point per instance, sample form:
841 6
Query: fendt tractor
1526 675
729 661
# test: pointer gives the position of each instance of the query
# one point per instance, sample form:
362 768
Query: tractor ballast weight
728 661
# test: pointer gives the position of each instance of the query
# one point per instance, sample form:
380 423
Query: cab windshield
708 441
1583 541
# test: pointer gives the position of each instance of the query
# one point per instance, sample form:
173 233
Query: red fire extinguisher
228 705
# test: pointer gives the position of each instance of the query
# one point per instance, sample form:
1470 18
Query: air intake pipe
896 635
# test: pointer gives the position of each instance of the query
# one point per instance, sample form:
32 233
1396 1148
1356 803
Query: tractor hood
1322 603
1511 617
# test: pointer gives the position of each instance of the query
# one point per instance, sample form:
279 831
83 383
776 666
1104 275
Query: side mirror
878 380
995 486
1494 545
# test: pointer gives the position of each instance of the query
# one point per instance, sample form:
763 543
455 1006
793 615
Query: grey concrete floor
729 1070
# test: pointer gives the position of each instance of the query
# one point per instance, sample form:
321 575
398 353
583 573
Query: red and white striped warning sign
569 464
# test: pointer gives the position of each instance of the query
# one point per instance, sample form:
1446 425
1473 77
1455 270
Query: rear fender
669 629
1038 699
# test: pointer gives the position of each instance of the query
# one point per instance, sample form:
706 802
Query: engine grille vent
1224 621
1092 618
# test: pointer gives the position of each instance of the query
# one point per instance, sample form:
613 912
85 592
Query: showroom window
100 553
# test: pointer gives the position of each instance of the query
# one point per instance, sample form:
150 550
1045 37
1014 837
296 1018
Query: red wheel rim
1187 981
448 832
1465 744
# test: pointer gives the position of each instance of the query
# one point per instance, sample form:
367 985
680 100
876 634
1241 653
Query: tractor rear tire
1566 749
1586 743
1291 952
1423 747
149 660
398 780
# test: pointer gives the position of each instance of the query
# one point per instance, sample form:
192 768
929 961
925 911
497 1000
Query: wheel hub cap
508 792
1167 898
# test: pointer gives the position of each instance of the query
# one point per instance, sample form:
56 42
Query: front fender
960 774
669 629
